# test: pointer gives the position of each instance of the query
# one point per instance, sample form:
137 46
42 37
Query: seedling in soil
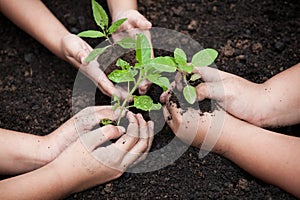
105 31
202 58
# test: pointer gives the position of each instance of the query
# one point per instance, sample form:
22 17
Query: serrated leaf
143 48
100 15
204 57
91 34
189 93
180 57
163 64
95 53
123 64
127 43
143 102
195 77
120 76
156 106
114 27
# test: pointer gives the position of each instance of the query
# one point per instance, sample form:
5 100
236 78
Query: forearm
35 18
21 152
43 183
272 157
117 6
281 98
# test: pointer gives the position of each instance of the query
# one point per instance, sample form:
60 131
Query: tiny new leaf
91 34
105 122
204 57
189 93
195 77
156 106
100 15
123 64
114 27
143 48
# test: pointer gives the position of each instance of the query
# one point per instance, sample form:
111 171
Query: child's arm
84 164
273 103
272 157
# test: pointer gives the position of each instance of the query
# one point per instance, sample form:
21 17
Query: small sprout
195 77
105 122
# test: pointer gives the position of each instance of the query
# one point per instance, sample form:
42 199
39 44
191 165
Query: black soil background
256 39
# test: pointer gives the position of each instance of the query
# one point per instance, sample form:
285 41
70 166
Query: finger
127 141
101 135
164 95
140 150
209 74
139 21
211 90
174 110
144 86
178 81
83 53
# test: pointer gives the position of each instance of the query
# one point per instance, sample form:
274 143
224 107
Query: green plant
202 58
101 19
145 67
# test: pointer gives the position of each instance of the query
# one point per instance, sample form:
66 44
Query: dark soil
255 39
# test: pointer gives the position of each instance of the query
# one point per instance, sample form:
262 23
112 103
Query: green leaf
194 77
187 68
163 64
123 64
189 93
143 48
180 57
100 15
120 76
114 27
96 52
143 102
106 122
127 43
163 82
156 106
91 34
204 57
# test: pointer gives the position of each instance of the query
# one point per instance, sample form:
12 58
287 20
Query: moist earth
256 39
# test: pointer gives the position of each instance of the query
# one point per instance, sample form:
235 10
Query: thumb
211 90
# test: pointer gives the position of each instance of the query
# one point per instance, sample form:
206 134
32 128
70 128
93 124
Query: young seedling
202 58
145 68
101 19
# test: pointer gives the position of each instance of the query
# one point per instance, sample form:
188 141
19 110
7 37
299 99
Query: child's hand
86 163
75 49
135 20
78 125
243 99
206 130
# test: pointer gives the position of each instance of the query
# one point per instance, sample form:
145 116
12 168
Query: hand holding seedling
95 164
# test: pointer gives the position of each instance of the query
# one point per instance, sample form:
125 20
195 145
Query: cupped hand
87 162
75 49
199 129
83 122
243 99
135 20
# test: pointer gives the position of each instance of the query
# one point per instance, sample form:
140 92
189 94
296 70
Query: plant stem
122 107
